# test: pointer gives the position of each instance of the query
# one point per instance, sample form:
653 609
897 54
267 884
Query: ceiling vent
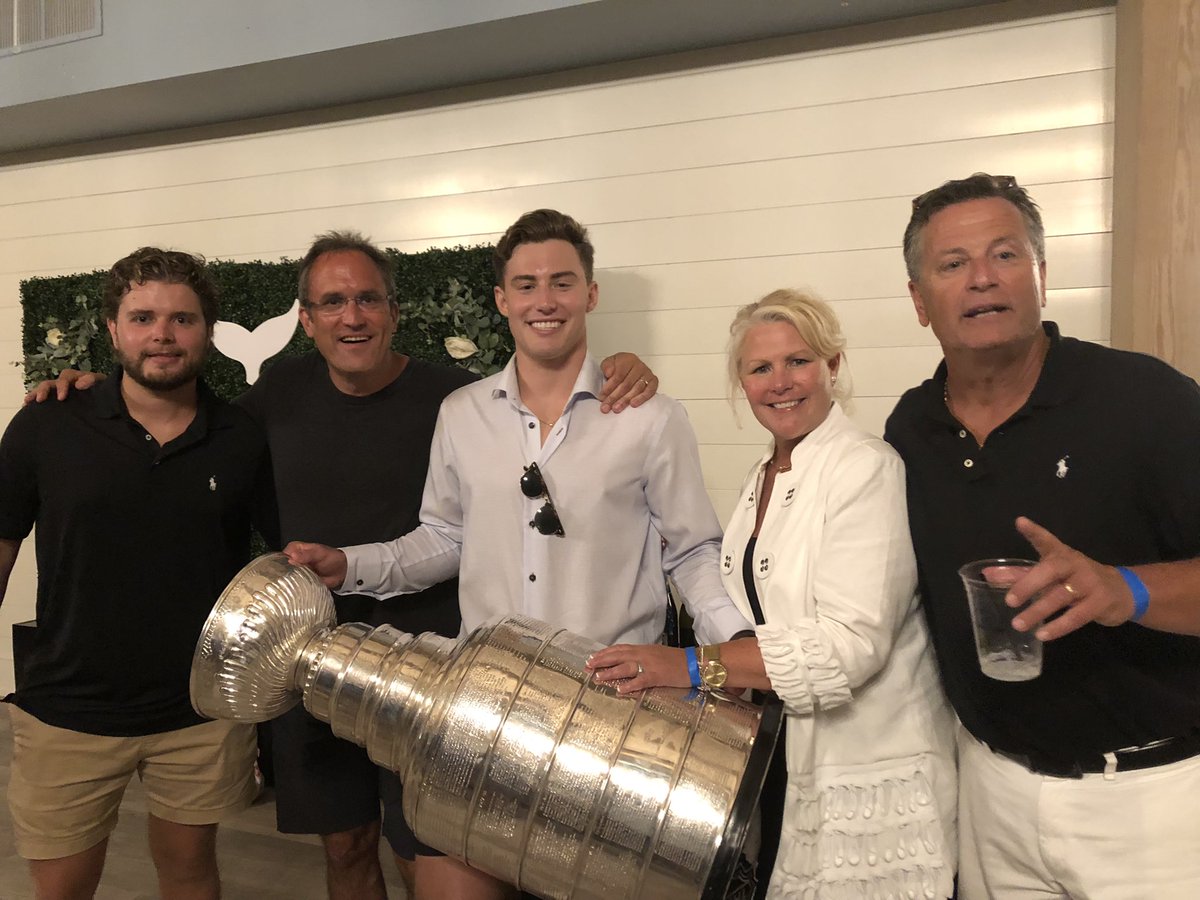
29 24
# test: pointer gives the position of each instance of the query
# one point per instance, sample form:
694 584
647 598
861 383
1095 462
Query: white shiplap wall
703 189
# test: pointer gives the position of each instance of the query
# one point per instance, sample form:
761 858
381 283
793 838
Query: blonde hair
813 319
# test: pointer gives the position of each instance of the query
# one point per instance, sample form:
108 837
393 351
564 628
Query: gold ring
645 381
1067 587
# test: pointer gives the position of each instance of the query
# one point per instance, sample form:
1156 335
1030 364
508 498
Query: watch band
712 671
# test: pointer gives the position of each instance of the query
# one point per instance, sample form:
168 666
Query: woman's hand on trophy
329 563
634 667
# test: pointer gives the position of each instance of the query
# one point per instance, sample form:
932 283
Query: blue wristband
1141 596
694 665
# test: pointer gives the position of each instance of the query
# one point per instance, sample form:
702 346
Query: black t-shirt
351 470
1104 455
134 544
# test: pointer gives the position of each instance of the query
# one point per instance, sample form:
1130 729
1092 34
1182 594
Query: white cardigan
870 738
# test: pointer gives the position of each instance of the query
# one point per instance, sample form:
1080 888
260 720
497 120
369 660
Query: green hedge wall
433 287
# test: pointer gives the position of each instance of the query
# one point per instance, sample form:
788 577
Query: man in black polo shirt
1082 782
143 492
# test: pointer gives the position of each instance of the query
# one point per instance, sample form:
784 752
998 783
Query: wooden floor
257 863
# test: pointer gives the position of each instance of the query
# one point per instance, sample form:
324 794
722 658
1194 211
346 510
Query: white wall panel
704 189
865 149
1001 55
1077 260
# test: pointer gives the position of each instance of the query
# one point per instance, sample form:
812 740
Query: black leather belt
1156 753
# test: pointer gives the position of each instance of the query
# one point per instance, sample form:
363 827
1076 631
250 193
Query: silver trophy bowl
512 758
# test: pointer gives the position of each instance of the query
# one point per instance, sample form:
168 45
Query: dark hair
979 186
345 241
168 266
537 227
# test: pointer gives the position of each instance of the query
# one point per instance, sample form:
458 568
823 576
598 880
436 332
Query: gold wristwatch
712 671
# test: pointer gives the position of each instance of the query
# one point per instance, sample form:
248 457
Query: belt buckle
1161 742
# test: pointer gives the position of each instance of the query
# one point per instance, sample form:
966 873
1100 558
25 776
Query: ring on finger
640 670
645 381
1067 587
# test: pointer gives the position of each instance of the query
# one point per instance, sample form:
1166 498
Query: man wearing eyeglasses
349 426
1079 783
543 506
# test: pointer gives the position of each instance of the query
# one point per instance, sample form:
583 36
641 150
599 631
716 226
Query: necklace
778 467
547 424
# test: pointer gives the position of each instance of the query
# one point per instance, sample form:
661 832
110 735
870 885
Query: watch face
714 674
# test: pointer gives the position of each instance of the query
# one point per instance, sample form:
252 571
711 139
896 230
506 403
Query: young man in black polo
143 492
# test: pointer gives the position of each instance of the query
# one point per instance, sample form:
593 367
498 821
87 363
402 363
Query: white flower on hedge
461 347
54 337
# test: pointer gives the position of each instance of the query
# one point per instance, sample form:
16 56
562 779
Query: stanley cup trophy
512 758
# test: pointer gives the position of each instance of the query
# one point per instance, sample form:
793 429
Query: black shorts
324 785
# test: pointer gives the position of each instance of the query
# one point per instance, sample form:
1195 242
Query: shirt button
149 438
530 424
358 583
532 577
962 433
967 463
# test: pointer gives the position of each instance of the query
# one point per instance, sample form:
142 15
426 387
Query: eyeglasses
546 519
1000 182
335 304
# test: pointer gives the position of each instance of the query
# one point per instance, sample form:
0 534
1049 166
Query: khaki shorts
65 787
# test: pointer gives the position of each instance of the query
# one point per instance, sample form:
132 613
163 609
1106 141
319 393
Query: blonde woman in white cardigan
817 552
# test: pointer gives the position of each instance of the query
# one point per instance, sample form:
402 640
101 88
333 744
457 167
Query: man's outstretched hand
1072 584
329 563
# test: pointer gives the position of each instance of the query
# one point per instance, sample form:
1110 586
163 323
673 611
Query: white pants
1129 836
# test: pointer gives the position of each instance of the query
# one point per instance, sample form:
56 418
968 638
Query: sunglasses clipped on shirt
546 519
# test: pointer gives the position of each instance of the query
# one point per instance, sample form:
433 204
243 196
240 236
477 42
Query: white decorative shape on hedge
253 348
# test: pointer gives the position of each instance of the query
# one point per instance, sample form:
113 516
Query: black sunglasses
546 519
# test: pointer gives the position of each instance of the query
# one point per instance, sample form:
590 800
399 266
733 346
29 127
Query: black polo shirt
1104 455
134 544
351 470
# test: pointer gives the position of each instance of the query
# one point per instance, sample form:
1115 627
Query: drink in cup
1004 653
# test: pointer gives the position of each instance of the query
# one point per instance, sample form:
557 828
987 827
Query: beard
135 367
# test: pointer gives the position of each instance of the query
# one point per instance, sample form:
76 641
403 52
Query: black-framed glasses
1000 182
533 486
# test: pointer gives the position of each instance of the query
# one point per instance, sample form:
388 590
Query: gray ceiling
558 40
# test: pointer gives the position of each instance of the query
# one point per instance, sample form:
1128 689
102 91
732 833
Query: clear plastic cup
1004 653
